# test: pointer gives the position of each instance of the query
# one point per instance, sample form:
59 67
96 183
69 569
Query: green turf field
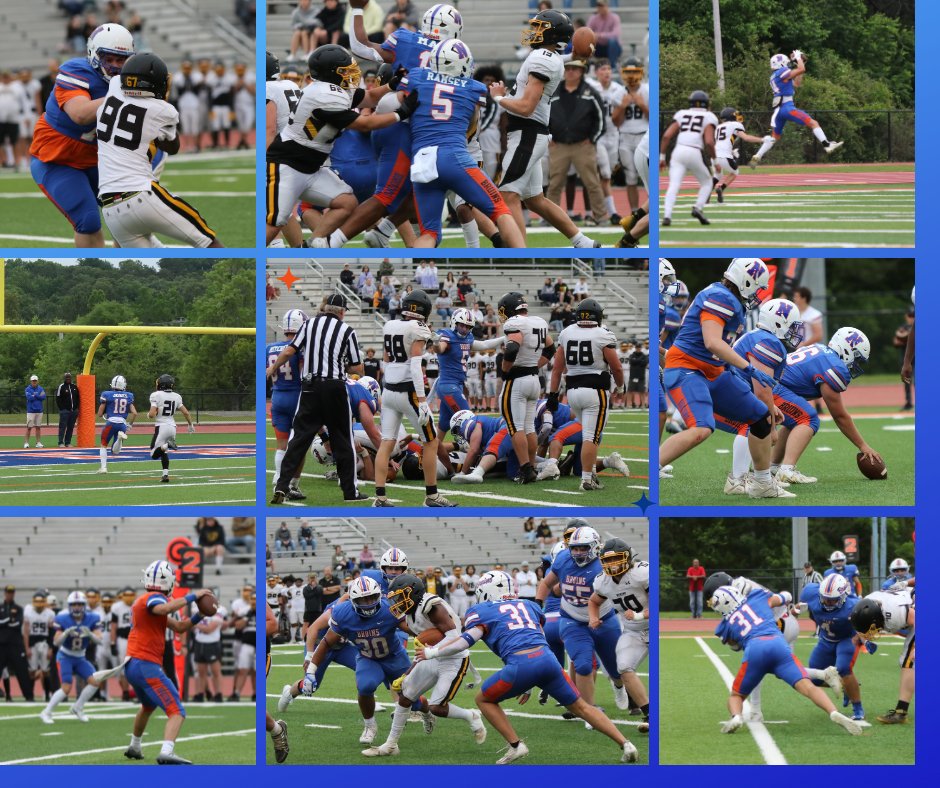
699 476
626 432
325 728
220 187
693 695
536 238
821 214
212 733
210 477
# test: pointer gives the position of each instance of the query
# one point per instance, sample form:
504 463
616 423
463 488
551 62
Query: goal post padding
87 406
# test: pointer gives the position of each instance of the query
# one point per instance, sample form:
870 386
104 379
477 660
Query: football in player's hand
431 637
582 42
207 604
871 470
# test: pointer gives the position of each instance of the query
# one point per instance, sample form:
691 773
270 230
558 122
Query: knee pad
88 220
762 427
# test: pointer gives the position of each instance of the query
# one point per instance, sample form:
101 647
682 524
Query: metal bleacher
439 542
492 28
623 293
68 553
32 32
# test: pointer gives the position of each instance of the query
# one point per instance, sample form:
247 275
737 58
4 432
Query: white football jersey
583 347
550 66
634 119
126 127
624 356
39 622
221 87
613 94
215 635
473 366
534 331
272 593
895 607
419 618
286 96
724 139
243 96
630 592
489 367
296 597
692 123
304 128
399 336
643 149
431 363
121 614
241 608
166 403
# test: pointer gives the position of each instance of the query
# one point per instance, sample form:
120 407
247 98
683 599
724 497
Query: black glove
396 78
408 106
114 650
384 74
552 403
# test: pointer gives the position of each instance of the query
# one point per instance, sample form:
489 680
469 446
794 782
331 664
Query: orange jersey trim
53 147
678 358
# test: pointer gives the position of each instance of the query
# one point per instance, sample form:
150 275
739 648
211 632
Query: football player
164 403
529 347
637 224
561 429
38 619
730 131
135 121
404 396
285 393
117 407
281 97
625 582
421 611
787 75
699 379
74 630
473 434
587 354
693 129
900 573
608 145
277 729
632 117
527 108
811 372
120 630
668 287
747 622
838 566
64 151
891 612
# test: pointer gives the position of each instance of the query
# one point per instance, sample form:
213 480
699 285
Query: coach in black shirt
12 648
66 400
330 351
313 601
332 586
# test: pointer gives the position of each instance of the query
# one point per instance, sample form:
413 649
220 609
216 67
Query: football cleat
293 494
46 717
376 240
383 750
615 462
627 242
665 474
630 754
477 728
793 476
39 445
102 470
369 733
621 698
832 147
756 488
850 725
735 486
730 726
286 698
382 503
172 760
697 214
588 485
428 720
513 754
893 717
134 753
82 717
165 479
438 501
833 679
171 444
281 746
755 160
667 222
278 498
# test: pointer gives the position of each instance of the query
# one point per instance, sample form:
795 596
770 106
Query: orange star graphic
288 279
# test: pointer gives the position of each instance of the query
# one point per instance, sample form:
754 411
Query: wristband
498 99
356 11
190 597
662 157
430 652
196 618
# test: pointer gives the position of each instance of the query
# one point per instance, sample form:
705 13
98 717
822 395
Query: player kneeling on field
133 122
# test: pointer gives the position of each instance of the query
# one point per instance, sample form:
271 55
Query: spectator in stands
364 273
544 534
547 294
340 562
528 528
306 539
346 276
443 306
450 285
366 558
283 541
268 560
490 322
72 7
606 27
567 315
35 400
562 291
66 400
242 535
304 22
332 16
556 319
526 582
372 366
271 292
465 288
696 576
581 289
113 10
211 537
330 585
402 14
75 37
388 291
373 19
367 288
394 304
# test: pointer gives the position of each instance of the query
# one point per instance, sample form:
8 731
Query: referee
326 344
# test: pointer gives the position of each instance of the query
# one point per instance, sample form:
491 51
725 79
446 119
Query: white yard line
136 487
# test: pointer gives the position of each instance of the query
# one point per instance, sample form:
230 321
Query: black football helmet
573 525
589 311
699 98
730 113
417 305
616 557
272 68
713 583
511 304
404 594
165 383
868 618
145 76
332 63
548 28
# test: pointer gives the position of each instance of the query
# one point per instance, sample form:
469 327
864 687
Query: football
208 604
582 42
431 637
871 470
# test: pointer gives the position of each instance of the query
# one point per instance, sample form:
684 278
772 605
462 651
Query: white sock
135 741
387 227
276 730
762 476
337 239
816 674
471 234
609 203
218 560
457 713
766 146
103 452
581 241
784 467
294 484
741 457
57 697
370 722
84 697
167 748
774 467
585 476
399 720
819 134
278 459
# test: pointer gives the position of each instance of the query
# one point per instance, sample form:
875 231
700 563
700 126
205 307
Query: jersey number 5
442 108
127 118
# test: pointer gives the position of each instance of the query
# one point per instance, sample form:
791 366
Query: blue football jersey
453 362
577 585
782 87
662 312
352 146
76 645
834 625
671 322
809 367
714 302
358 394
753 618
849 572
489 424
117 404
760 345
508 626
379 576
445 108
411 49
560 416
288 376
375 637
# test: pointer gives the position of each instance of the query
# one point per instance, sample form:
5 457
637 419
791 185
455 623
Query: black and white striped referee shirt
328 346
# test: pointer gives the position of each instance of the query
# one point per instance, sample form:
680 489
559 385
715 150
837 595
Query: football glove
552 404
761 377
192 428
425 416
870 646
310 684
408 105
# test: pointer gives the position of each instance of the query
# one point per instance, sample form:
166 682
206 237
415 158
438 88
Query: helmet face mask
393 563
833 592
332 63
868 619
460 423
616 557
631 72
365 597
550 28
584 545
272 67
699 98
371 385
749 275
462 318
726 600
510 305
782 319
853 347
714 582
779 61
667 278
39 602
109 40
77 605
404 594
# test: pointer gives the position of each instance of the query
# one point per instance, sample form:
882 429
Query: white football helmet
494 586
366 596
556 549
440 22
782 319
681 298
837 559
667 278
462 317
726 600
393 558
459 426
749 275
899 565
451 57
118 383
779 61
912 295
853 348
832 591
318 450
372 385
77 604
159 576
584 545
293 320
109 39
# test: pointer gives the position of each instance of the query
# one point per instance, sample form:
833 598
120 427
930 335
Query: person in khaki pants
576 123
